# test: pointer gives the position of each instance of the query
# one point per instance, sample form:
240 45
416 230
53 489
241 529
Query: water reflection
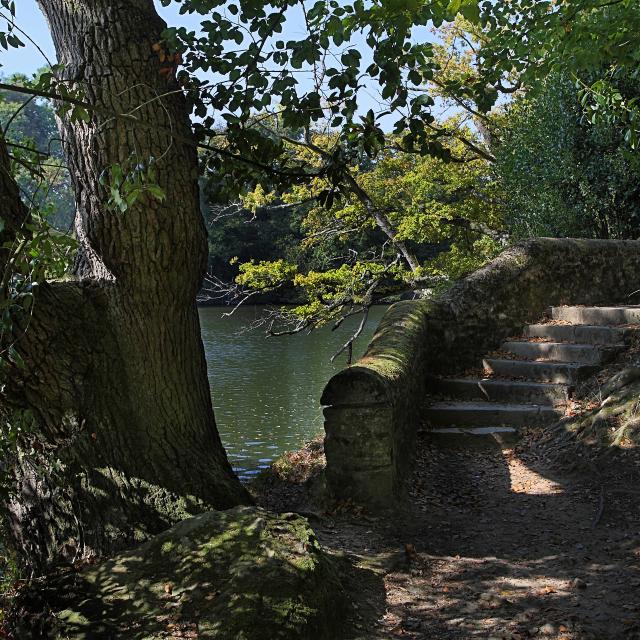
266 392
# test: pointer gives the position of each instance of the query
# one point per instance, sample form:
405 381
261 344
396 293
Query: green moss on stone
242 573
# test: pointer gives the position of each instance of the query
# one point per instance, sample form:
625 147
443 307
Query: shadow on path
498 546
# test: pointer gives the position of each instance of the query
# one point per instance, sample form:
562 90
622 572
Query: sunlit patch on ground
526 480
500 547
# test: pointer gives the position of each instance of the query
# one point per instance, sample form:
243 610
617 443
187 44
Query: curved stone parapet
372 409
368 409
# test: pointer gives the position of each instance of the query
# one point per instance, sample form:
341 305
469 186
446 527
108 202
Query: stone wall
372 409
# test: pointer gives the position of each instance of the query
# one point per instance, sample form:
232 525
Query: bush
562 176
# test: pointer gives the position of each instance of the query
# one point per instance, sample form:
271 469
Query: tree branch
154 127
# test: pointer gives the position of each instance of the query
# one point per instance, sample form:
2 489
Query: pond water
266 391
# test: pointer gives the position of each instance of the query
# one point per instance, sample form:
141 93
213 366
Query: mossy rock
242 574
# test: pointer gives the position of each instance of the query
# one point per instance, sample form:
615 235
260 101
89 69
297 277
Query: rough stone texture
373 407
560 352
596 316
242 574
579 333
484 414
556 372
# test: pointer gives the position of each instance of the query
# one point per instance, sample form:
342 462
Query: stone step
473 431
597 315
561 352
501 390
556 372
473 437
585 334
460 414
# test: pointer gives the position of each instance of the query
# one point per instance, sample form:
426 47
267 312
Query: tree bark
116 380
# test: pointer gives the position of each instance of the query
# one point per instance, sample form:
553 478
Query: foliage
562 175
9 37
35 147
319 79
264 275
359 213
28 120
443 211
37 251
30 253
238 234
130 181
581 39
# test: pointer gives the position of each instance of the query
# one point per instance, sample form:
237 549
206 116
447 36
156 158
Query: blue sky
28 59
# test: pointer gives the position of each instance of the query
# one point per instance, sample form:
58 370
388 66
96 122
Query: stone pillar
372 411
359 438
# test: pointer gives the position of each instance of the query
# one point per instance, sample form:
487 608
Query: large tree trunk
116 378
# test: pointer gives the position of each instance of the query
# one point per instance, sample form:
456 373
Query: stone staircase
529 381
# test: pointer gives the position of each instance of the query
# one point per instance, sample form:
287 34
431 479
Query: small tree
407 224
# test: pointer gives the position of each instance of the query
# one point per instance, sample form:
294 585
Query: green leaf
157 192
469 9
16 358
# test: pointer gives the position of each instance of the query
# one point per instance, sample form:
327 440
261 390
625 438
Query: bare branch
349 343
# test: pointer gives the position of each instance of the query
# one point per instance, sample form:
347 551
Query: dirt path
498 546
